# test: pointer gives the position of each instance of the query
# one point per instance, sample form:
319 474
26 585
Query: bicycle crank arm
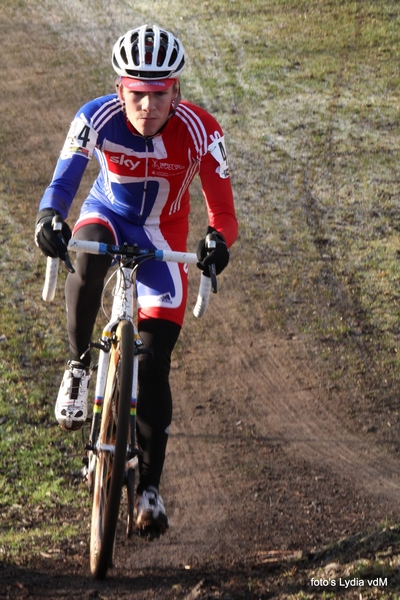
132 463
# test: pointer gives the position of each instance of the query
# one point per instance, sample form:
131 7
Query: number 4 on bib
81 139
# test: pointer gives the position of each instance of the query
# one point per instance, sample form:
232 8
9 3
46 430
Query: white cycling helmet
148 53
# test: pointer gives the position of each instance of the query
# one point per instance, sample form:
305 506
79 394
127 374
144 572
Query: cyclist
149 144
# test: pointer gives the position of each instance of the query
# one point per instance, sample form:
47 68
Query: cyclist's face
147 111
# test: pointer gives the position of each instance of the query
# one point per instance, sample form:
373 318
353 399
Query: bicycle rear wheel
112 453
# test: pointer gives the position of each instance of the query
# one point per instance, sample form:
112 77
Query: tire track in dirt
287 401
293 410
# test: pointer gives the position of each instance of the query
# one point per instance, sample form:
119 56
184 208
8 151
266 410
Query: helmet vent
148 52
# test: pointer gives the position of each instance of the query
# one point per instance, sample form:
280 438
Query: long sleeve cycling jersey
146 180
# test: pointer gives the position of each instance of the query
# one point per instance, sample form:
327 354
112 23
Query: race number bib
81 139
217 149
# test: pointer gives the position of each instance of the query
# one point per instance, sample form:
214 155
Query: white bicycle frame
122 308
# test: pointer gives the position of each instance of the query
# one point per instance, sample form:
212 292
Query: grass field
307 92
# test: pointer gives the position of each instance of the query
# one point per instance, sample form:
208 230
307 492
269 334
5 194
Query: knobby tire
109 477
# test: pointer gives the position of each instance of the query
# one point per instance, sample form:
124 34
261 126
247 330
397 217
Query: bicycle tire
110 468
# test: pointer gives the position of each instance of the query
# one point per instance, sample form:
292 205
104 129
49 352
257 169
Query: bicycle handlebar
50 281
206 283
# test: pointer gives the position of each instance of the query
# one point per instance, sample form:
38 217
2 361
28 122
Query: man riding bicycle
149 144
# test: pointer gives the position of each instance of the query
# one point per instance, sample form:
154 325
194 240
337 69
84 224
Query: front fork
89 459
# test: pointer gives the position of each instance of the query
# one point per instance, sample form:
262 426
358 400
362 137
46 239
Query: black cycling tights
154 411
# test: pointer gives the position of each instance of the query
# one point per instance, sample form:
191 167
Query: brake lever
68 263
210 245
57 223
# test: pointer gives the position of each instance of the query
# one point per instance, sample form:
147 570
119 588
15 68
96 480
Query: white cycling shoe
71 405
150 516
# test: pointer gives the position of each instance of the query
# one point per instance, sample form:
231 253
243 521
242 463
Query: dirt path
259 471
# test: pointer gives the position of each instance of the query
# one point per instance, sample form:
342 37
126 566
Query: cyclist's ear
119 88
176 95
176 88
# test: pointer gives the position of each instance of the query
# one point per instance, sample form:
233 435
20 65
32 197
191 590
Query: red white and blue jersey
144 182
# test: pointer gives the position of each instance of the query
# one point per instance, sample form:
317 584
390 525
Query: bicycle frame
122 450
122 308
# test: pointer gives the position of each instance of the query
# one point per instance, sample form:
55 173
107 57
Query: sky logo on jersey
124 161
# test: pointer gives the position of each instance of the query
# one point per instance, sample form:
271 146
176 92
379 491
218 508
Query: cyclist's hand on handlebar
212 250
52 234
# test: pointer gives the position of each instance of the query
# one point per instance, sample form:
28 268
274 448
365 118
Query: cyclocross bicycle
111 452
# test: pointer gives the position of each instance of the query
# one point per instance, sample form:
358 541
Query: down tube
104 359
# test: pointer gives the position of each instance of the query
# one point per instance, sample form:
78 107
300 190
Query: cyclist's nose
147 103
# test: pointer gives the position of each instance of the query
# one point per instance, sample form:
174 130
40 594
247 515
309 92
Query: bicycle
111 453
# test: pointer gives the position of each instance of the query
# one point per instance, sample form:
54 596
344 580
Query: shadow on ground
366 564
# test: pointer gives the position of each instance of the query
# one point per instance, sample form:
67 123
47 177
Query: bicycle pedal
85 475
148 534
148 351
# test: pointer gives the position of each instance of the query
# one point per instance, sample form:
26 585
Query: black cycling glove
52 243
219 255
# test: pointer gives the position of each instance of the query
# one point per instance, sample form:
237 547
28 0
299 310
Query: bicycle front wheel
112 450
